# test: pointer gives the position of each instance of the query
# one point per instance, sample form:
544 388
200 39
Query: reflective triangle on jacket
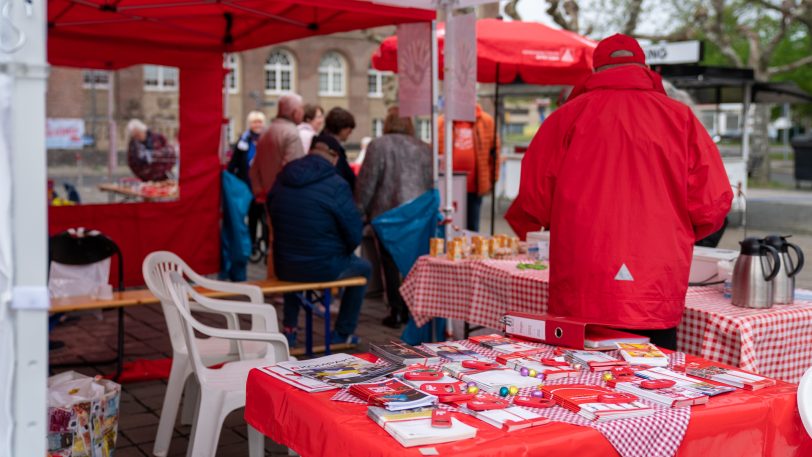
624 274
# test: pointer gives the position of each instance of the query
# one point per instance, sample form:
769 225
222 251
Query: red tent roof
212 25
528 50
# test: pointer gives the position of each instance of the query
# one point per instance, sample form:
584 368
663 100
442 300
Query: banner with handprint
414 69
462 58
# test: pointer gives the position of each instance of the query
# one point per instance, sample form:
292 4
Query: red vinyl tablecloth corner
776 342
742 423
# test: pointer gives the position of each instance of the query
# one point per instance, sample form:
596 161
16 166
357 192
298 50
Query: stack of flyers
503 344
420 432
674 396
296 380
455 352
491 380
681 380
402 353
546 372
596 403
642 354
731 377
340 369
593 360
382 415
392 394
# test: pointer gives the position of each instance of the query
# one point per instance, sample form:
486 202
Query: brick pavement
146 338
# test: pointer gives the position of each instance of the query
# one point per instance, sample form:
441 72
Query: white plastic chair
212 350
805 400
221 390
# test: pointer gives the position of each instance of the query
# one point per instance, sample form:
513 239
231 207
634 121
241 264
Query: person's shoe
290 333
337 338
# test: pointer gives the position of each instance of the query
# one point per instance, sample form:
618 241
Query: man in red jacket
626 180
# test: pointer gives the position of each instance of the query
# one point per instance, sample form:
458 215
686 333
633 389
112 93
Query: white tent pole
448 70
435 109
112 155
748 91
29 70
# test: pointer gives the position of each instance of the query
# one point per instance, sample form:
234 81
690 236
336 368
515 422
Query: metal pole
786 131
494 155
435 108
448 69
112 155
748 89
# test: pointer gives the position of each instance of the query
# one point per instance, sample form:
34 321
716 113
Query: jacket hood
627 77
307 170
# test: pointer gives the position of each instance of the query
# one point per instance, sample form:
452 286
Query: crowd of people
316 207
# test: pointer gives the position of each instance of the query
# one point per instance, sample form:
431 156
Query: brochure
339 369
455 352
643 354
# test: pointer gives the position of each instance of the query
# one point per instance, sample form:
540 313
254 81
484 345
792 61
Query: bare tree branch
776 40
790 66
633 15
511 11
714 27
557 17
566 19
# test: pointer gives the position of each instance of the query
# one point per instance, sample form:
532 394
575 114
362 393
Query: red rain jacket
626 179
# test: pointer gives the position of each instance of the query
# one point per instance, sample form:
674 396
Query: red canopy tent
191 35
527 51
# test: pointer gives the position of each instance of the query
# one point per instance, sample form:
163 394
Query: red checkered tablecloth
776 343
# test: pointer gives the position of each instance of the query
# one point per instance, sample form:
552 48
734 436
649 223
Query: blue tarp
235 244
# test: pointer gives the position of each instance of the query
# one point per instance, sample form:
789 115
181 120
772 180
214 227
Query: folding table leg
308 325
326 299
120 349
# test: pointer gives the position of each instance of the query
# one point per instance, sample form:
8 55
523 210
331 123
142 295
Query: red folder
556 330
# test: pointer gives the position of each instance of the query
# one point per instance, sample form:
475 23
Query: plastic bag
82 415
72 280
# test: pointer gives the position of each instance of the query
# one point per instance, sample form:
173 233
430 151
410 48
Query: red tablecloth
776 343
765 422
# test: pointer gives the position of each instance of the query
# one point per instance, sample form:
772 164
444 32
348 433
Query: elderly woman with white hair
242 156
149 155
279 145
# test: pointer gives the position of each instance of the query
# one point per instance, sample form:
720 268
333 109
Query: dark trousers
474 206
255 214
664 338
351 302
392 281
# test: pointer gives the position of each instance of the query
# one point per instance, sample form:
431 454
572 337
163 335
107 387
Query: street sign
673 53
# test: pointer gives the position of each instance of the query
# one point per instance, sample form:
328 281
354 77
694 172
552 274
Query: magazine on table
491 380
503 344
595 402
296 380
455 352
593 360
674 396
392 394
340 369
681 380
404 354
643 354
419 432
731 377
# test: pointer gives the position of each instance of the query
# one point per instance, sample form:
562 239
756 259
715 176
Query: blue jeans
474 203
350 303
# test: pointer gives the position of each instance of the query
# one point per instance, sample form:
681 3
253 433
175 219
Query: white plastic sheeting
6 326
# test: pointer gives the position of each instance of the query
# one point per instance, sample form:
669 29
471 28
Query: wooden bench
139 297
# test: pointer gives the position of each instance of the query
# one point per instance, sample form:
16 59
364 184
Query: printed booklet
340 369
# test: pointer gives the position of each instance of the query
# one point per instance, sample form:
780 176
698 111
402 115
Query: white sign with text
673 53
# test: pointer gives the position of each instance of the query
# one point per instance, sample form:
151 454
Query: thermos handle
800 255
776 262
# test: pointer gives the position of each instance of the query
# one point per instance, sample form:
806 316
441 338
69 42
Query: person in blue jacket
316 229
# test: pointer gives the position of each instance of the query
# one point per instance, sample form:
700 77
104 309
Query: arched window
233 78
332 71
279 69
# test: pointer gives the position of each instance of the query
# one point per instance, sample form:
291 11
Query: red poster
462 58
414 69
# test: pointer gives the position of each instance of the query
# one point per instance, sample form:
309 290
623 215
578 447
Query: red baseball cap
611 45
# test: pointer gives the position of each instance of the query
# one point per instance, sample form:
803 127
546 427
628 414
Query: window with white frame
377 127
424 129
279 69
157 77
375 82
332 71
99 79
233 77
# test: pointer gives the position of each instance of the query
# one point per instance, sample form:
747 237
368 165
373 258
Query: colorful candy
537 394
532 373
504 391
473 390
524 371
513 390
607 376
471 384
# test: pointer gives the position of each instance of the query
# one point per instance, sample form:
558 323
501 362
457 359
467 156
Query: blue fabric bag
235 244
405 232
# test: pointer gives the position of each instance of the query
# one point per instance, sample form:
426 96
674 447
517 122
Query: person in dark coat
149 155
338 125
316 229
